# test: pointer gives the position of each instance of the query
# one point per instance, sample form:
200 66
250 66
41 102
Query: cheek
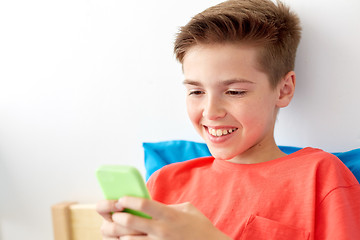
193 111
257 113
266 116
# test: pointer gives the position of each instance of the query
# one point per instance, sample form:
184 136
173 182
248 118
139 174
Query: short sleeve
338 216
151 183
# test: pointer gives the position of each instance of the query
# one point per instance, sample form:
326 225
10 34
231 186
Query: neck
259 153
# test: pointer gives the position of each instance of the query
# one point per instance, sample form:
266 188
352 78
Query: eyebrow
191 82
226 82
235 80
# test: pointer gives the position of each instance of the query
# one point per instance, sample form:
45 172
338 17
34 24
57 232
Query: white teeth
221 132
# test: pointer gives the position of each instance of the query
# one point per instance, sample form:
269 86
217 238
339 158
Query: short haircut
261 23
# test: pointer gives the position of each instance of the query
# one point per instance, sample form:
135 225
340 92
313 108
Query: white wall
85 82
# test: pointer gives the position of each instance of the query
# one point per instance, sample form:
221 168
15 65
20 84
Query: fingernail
121 200
118 206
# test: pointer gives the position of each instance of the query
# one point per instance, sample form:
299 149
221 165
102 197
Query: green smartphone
117 181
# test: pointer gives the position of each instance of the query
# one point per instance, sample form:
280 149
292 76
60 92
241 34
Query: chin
219 155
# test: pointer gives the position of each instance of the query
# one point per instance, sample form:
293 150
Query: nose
213 108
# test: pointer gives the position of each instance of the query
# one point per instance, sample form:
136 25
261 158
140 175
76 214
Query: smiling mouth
220 132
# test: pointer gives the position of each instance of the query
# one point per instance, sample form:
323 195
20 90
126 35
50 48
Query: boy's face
229 101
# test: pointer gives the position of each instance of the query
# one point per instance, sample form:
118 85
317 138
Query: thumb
184 207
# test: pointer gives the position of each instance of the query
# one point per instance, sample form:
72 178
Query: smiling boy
238 61
231 102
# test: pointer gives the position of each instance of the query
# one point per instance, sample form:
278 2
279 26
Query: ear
286 89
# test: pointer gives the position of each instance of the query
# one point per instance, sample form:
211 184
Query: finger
133 222
111 229
135 238
152 208
106 207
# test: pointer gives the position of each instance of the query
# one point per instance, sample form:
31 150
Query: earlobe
286 89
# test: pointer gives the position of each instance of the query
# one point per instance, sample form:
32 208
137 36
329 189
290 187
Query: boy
238 60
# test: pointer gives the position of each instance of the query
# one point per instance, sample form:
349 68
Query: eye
195 92
235 92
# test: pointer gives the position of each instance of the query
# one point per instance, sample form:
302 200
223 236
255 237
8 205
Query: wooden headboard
73 221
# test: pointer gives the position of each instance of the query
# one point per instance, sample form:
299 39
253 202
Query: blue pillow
159 154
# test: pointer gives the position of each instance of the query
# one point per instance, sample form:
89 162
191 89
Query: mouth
218 132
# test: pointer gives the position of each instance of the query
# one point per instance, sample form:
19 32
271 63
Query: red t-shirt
309 194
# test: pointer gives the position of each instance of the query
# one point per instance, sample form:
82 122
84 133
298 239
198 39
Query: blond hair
271 27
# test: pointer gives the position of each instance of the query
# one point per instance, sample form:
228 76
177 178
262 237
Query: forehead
221 62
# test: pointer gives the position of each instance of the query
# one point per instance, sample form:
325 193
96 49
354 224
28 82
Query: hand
109 229
173 222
